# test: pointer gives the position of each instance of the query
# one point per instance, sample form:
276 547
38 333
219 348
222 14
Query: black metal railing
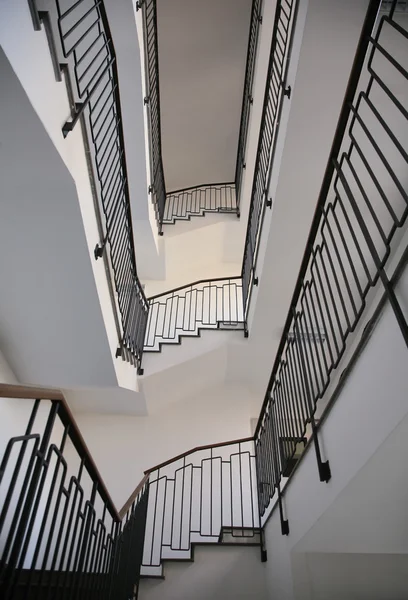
275 94
157 187
247 98
84 47
207 495
196 201
60 534
362 206
185 311
172 206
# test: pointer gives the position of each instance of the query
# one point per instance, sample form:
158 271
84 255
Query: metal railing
157 187
185 311
184 204
83 43
247 99
207 495
196 201
362 206
168 319
60 534
275 94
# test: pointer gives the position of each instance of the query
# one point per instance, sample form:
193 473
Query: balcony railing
197 201
186 311
223 197
247 97
351 251
61 535
275 93
81 45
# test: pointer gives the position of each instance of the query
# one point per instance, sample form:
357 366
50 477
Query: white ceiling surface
51 326
202 59
106 401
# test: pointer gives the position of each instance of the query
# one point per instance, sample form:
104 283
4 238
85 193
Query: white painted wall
50 304
219 572
357 576
372 404
124 446
27 54
202 57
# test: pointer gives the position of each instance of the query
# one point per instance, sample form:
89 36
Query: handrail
132 497
197 449
192 284
14 391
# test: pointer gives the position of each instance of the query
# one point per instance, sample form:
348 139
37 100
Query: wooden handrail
67 418
8 390
188 285
197 449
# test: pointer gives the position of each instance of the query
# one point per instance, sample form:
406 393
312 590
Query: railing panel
212 304
247 98
60 533
205 495
84 48
359 222
284 27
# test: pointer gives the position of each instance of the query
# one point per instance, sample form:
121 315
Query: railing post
275 450
324 467
24 530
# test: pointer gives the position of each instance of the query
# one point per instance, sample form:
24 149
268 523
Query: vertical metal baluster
324 467
26 524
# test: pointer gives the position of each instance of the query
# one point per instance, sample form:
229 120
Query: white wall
202 57
371 405
357 576
220 573
50 304
34 121
123 446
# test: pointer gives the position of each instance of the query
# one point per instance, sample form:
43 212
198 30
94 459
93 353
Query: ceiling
202 59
